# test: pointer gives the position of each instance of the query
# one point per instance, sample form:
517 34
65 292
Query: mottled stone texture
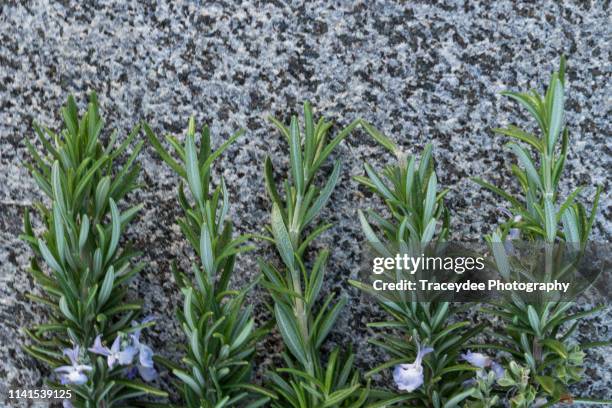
420 72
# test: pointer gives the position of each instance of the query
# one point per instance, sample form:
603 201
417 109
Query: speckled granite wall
419 72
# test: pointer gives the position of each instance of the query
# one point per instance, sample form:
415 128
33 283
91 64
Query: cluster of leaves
522 393
219 327
483 395
538 333
306 381
84 283
416 211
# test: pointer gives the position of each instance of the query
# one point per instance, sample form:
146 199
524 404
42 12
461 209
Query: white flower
409 377
74 373
477 359
115 354
539 402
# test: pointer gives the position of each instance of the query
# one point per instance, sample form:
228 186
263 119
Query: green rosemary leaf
44 185
556 117
46 145
312 236
270 184
65 309
289 331
521 135
256 389
338 396
309 136
593 401
206 251
41 356
188 308
245 332
451 403
295 145
70 116
388 402
282 238
107 286
430 199
59 233
213 156
49 258
371 236
379 137
570 226
550 218
316 277
283 129
424 165
324 195
115 231
139 386
192 169
527 102
593 210
524 159
534 320
162 152
326 324
332 145
429 231
87 181
381 188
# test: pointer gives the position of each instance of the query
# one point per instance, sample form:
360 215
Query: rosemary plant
219 327
307 381
421 330
538 334
84 282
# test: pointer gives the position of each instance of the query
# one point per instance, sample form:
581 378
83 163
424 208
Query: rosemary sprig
539 214
306 381
539 332
218 325
418 222
84 282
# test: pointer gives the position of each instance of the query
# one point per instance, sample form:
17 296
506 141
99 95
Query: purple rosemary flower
409 377
67 404
498 370
115 354
74 373
130 373
145 366
514 233
477 359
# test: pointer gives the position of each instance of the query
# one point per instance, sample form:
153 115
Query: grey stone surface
420 72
